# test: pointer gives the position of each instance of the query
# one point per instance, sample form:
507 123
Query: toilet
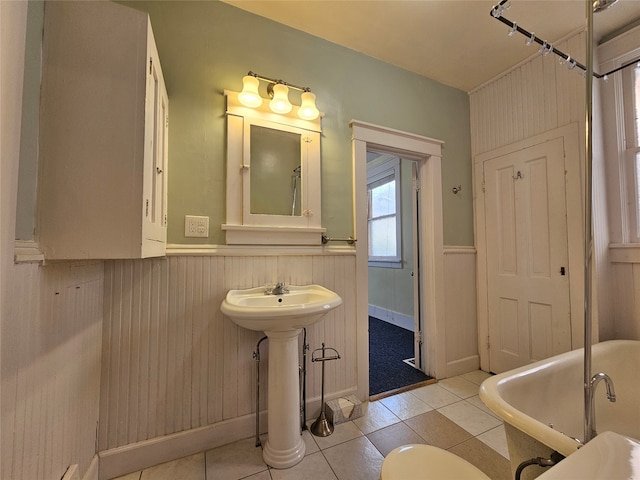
424 462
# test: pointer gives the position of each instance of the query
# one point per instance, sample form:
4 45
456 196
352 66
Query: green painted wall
207 47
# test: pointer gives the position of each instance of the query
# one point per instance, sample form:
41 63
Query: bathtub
542 404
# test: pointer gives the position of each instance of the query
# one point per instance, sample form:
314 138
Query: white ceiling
455 42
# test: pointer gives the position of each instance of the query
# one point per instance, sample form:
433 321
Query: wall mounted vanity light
278 91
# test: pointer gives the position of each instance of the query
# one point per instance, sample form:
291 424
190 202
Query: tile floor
448 414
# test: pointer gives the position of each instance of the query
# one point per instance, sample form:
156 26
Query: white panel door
527 257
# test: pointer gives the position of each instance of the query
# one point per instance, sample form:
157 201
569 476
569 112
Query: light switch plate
195 226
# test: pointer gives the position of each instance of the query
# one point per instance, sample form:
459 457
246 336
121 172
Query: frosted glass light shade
308 109
249 95
280 102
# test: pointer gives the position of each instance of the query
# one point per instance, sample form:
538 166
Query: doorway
426 152
527 256
529 281
394 295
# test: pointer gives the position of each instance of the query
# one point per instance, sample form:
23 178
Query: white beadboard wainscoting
141 346
460 310
538 96
626 301
173 363
51 347
178 377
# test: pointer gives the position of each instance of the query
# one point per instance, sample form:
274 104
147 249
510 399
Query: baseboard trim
394 318
137 456
463 365
92 471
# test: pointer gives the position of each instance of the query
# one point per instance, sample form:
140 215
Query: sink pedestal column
285 446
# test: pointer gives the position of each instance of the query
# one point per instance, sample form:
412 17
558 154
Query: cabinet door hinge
146 208
418 336
150 65
488 342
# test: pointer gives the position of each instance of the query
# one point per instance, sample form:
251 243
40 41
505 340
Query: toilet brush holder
322 427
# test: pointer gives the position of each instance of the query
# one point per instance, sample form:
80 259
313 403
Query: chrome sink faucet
611 396
279 289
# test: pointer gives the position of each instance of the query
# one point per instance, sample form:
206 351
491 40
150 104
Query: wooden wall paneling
173 348
107 356
135 341
623 305
340 332
216 341
631 328
143 288
462 333
151 371
164 334
562 77
326 273
201 345
162 284
51 357
549 84
183 325
520 114
576 89
233 278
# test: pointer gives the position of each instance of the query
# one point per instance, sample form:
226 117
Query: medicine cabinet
273 177
103 135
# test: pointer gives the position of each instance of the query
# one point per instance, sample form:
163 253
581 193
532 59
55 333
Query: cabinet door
155 158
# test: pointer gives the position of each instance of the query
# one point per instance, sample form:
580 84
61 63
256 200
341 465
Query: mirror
273 177
276 186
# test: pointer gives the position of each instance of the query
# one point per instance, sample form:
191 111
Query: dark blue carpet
388 347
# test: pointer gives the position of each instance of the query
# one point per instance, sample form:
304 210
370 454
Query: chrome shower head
600 5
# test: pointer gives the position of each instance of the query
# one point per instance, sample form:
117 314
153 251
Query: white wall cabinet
102 189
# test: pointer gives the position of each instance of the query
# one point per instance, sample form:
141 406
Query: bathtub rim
554 439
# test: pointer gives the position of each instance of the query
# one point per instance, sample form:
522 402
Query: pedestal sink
282 318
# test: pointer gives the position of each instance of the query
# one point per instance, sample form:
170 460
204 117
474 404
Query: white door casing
428 152
417 301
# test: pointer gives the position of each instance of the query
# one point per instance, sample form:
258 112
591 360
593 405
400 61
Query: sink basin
281 317
301 307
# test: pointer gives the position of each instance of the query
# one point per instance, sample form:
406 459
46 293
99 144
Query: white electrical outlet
196 226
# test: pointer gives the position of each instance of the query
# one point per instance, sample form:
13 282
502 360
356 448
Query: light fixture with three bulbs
279 93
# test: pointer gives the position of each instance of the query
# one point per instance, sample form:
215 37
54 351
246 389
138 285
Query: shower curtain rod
497 13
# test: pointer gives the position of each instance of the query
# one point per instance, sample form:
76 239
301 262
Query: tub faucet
611 396
279 289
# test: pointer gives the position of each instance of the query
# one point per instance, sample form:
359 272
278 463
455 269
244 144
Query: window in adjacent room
384 215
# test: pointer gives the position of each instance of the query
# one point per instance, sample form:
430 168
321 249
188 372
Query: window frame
616 125
629 155
388 168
